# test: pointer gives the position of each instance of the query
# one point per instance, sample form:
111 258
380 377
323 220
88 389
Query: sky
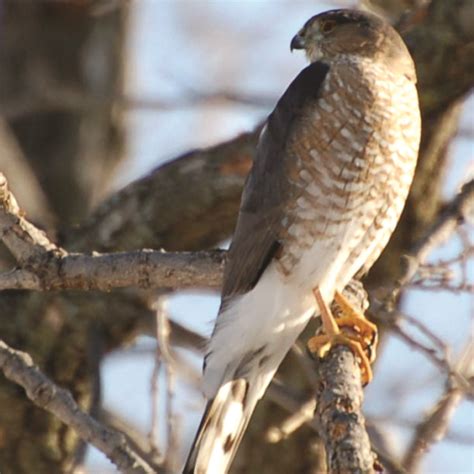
177 53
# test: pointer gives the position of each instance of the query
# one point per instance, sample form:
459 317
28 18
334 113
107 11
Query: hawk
333 168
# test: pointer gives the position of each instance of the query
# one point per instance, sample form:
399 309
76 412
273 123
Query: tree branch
45 266
25 241
433 428
145 269
454 214
18 367
189 203
339 413
339 396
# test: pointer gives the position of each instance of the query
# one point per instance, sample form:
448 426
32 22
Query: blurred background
95 95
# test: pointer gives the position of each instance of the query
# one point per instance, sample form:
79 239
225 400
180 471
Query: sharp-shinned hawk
332 172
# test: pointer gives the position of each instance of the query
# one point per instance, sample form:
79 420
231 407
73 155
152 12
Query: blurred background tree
94 95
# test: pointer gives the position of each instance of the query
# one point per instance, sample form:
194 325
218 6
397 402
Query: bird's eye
328 26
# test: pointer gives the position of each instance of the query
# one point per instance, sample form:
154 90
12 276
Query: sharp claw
350 329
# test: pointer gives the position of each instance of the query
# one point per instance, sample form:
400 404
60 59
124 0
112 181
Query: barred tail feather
221 429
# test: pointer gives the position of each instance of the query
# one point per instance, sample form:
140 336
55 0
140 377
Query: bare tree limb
339 397
454 214
339 413
146 269
23 239
433 428
45 266
135 437
165 354
189 203
294 421
18 367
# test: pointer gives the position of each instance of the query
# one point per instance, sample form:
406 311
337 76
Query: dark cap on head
333 33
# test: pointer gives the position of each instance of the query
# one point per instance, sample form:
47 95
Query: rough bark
339 414
189 203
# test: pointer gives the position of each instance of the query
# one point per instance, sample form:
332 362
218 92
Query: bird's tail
222 428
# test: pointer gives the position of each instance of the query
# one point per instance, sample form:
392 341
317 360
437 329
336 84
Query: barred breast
350 168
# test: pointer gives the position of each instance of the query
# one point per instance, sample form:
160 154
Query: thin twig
136 438
433 428
438 352
452 436
455 213
153 435
432 353
163 331
297 419
306 364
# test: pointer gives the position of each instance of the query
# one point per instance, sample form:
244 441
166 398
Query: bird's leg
351 329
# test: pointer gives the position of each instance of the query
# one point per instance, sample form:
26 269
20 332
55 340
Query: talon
351 329
356 321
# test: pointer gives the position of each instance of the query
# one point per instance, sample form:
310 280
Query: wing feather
257 236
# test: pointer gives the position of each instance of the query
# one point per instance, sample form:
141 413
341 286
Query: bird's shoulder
264 188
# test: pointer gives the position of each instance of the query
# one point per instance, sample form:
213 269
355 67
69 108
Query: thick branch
44 266
189 203
339 413
339 396
146 269
18 367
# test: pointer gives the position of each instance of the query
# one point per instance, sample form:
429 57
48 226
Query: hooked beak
297 42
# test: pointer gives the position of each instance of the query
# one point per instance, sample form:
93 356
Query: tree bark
339 414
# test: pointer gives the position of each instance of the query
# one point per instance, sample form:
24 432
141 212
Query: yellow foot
350 328
355 321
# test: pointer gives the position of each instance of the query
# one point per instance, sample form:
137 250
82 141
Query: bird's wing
257 234
256 241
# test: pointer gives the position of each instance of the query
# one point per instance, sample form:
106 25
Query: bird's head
344 32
